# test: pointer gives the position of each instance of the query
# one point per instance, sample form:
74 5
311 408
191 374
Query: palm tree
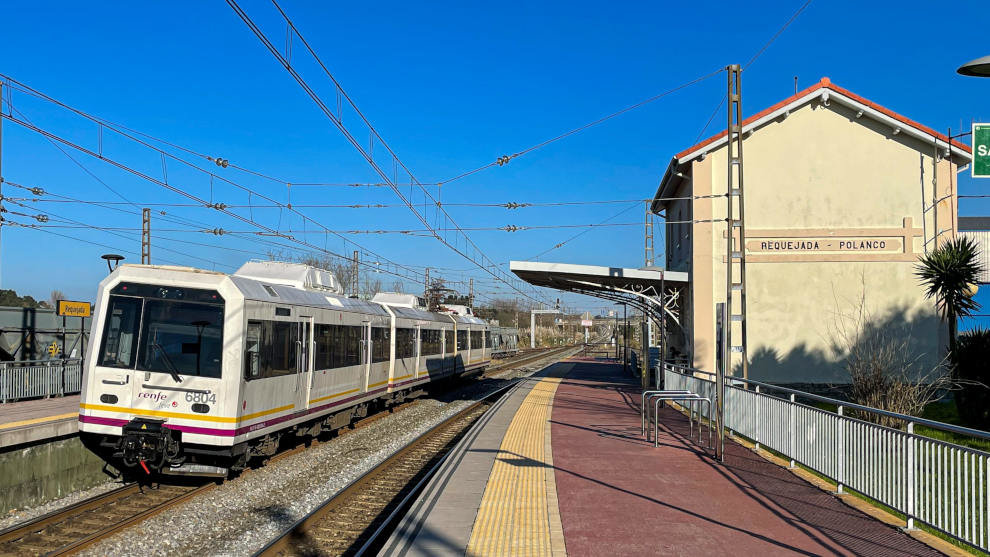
948 274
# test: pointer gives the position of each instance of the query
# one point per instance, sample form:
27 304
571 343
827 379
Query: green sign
981 150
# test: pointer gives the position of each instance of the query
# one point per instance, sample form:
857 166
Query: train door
304 355
366 352
469 346
419 351
449 350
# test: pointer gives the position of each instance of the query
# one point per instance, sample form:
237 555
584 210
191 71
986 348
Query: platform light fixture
976 68
112 257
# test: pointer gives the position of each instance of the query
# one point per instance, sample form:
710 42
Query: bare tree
344 271
886 371
397 286
55 296
371 287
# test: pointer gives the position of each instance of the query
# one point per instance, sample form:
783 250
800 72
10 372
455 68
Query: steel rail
297 539
44 530
38 525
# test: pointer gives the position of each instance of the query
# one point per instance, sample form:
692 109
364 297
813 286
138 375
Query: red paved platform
42 408
618 495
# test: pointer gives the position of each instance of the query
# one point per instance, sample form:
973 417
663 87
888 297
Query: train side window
121 332
252 352
448 336
282 359
475 339
275 348
462 340
380 345
405 343
324 346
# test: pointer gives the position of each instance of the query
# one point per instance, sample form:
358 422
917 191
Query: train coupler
146 441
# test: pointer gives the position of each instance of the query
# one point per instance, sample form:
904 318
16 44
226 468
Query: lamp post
976 68
115 258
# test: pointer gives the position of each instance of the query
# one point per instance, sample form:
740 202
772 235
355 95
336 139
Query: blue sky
451 86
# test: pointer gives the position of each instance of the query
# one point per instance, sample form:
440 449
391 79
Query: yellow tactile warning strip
35 421
518 513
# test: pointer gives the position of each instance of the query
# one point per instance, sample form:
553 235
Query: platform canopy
648 289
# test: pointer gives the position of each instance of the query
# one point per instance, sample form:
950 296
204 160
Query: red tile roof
826 83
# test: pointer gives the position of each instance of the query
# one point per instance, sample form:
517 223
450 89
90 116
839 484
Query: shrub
972 368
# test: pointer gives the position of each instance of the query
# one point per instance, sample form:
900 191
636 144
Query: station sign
587 323
981 151
73 309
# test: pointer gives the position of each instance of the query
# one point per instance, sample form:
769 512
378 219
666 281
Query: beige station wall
821 171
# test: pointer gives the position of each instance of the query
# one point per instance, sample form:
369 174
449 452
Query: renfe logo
152 396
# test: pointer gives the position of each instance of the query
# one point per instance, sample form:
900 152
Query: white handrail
941 484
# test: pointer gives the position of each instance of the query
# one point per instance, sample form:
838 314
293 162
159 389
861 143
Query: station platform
31 421
559 467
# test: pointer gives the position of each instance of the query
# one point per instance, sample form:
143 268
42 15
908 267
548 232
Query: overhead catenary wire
462 244
130 135
79 224
251 238
512 205
749 63
504 159
582 233
99 244
505 228
200 201
249 235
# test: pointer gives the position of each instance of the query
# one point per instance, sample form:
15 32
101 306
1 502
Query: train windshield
165 333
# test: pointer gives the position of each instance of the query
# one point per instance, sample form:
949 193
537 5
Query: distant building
842 196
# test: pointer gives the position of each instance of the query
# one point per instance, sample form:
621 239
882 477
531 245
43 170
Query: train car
193 372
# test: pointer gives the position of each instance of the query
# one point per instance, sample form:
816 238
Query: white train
195 372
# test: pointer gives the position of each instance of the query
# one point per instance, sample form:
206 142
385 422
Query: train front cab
153 395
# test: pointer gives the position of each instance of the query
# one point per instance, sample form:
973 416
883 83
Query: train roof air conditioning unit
295 275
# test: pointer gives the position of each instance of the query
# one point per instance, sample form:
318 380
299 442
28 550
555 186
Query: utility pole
648 237
426 290
146 236
735 242
471 294
646 329
355 276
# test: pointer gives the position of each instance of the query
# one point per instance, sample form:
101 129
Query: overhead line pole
146 236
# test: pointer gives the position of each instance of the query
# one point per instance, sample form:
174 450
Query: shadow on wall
818 365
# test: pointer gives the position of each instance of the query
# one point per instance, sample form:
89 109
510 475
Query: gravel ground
242 515
19 516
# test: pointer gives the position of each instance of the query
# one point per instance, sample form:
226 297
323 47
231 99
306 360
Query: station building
841 197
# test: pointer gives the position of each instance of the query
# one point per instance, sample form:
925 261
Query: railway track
80 525
72 529
353 520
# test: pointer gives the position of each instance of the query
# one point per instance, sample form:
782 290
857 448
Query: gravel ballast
244 514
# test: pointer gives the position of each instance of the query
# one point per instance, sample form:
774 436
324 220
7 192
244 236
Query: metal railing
33 379
941 484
